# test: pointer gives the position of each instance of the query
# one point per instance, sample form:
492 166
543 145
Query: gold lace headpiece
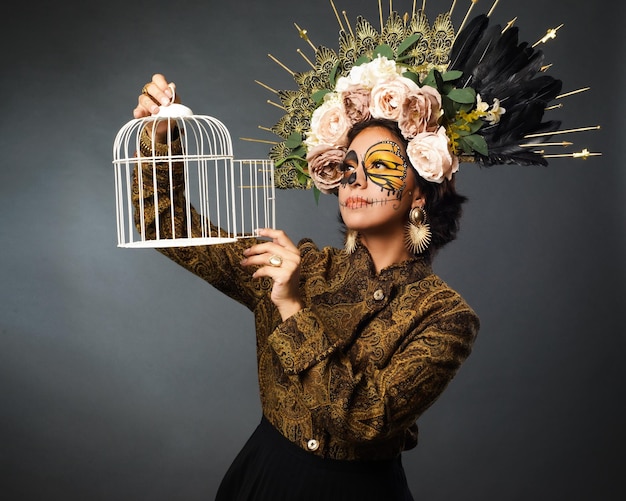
472 95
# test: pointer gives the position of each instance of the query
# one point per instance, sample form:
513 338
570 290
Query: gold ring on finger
275 260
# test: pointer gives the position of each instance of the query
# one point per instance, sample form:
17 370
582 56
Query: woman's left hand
278 259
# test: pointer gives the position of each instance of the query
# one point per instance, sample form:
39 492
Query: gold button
313 444
379 294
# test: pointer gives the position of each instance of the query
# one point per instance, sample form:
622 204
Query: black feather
496 65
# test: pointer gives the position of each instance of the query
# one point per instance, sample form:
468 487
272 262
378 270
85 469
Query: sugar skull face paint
383 164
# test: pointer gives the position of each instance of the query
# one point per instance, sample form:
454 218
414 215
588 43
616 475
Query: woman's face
379 186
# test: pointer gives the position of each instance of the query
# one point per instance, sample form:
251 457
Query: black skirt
271 468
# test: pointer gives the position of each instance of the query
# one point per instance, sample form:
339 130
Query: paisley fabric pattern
362 361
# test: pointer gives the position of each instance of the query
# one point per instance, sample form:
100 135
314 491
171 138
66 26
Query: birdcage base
176 242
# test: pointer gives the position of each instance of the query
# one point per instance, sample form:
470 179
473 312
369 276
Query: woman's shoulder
309 250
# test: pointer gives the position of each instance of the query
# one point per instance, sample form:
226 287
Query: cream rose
421 111
431 157
367 75
388 98
325 166
329 123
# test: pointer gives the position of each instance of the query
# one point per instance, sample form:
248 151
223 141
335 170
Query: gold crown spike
555 107
266 87
493 7
304 35
253 140
451 7
534 145
281 65
568 131
571 93
305 58
510 25
467 15
550 35
337 14
276 104
584 154
345 16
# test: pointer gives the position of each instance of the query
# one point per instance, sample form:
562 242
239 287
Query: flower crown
475 96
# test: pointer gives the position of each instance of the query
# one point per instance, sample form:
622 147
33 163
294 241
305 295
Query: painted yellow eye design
385 166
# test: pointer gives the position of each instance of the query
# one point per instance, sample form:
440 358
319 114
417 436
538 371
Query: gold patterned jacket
347 376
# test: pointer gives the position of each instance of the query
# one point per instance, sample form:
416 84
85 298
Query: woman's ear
418 200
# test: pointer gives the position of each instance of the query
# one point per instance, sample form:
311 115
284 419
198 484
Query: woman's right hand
158 92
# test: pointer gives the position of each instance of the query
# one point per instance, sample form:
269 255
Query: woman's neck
385 251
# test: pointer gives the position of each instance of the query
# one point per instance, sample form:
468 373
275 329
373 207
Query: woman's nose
359 179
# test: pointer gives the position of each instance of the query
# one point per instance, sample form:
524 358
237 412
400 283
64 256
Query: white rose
329 123
430 155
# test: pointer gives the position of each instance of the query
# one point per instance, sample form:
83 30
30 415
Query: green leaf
476 143
318 96
362 60
383 50
302 178
294 140
316 194
474 127
408 42
464 96
448 76
412 76
294 158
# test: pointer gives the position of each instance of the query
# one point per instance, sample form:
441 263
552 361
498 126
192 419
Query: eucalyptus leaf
383 50
294 140
362 60
476 143
464 96
318 96
448 76
408 42
412 76
290 158
316 194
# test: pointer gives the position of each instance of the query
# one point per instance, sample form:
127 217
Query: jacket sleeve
376 401
159 194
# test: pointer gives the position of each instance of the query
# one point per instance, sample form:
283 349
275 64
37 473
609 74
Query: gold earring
418 232
351 238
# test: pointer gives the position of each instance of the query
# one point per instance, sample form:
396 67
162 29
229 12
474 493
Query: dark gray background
123 377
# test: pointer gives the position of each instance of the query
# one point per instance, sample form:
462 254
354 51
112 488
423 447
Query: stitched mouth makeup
361 203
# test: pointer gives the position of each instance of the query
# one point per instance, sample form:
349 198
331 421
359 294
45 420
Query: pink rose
356 100
421 111
329 123
325 166
388 97
431 157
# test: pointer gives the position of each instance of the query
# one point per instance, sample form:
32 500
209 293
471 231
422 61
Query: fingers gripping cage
189 190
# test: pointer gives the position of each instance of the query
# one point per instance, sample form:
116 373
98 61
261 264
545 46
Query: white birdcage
236 196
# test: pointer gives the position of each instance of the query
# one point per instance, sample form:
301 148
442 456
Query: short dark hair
443 203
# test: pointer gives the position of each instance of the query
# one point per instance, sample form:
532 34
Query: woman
354 344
